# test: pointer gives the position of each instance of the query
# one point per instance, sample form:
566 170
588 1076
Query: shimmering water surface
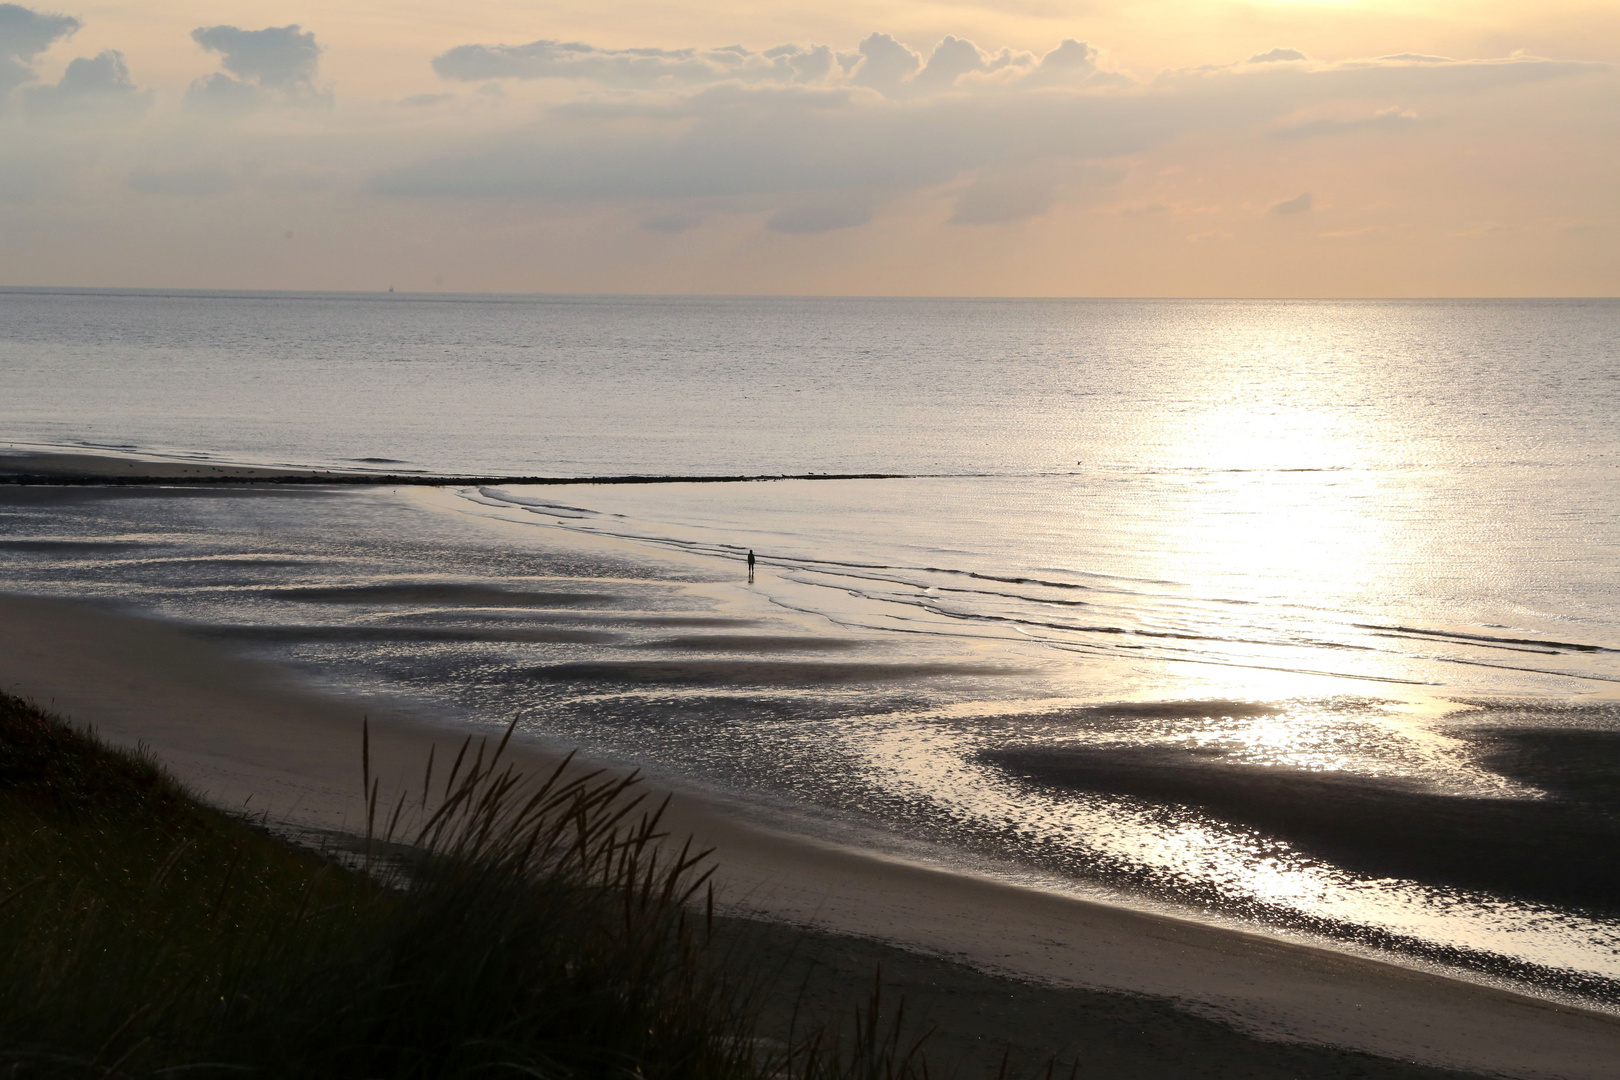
1300 615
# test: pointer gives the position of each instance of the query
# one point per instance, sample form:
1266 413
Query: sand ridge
67 467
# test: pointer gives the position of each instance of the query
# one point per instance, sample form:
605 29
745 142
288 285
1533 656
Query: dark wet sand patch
417 634
1542 850
69 466
33 546
53 495
1576 766
746 643
680 622
752 672
596 619
463 595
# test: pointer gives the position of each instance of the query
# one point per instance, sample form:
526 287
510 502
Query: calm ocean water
1292 614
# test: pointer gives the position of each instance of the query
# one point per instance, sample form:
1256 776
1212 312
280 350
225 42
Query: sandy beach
245 735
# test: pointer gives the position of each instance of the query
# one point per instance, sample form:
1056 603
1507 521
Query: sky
896 147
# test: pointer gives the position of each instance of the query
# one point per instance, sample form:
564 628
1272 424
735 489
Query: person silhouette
750 566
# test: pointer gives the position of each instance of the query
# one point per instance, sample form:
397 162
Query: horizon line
187 290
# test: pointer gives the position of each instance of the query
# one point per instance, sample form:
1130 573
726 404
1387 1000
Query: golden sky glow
1289 147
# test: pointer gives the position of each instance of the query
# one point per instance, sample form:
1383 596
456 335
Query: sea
1296 616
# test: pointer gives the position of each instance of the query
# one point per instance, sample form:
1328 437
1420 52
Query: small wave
1488 639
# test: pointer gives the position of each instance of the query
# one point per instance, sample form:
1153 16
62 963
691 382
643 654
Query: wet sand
742 673
1557 852
245 734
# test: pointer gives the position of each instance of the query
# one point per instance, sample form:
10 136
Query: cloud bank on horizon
827 144
607 156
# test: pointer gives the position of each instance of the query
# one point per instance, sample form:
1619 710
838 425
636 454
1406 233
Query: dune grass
541 927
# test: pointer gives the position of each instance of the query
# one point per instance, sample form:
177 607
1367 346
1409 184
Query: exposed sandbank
70 468
243 733
62 466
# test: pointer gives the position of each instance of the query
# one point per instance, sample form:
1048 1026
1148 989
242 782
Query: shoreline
87 469
243 734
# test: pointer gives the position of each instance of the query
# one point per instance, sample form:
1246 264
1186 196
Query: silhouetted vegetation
541 928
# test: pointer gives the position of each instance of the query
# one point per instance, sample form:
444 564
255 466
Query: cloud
998 199
824 212
952 58
973 169
809 65
885 63
276 63
277 56
1392 119
1276 55
1403 75
202 180
633 67
20 182
1300 204
879 62
785 142
222 94
807 139
92 86
673 223
1071 62
722 143
24 34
